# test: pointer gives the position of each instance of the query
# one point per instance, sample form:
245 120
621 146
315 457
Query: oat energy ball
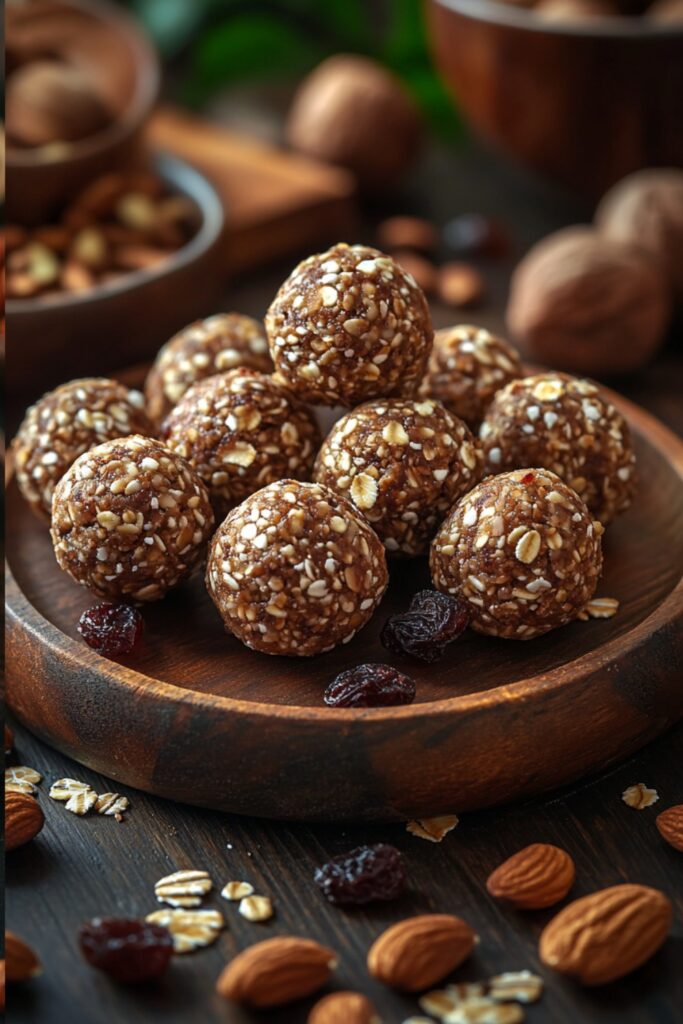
67 422
564 424
130 519
221 342
240 431
522 550
347 325
295 570
466 367
403 464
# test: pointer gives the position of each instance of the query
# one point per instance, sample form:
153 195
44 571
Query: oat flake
256 908
191 929
112 804
64 789
483 1010
82 802
639 796
21 779
237 890
183 888
520 986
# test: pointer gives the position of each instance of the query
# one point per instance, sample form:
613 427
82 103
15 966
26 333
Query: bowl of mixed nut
127 261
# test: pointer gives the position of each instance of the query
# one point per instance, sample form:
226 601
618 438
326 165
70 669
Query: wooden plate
195 716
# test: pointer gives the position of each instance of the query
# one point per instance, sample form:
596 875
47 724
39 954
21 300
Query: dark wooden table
78 868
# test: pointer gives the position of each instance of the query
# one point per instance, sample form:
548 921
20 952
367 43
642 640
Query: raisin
432 622
362 875
111 629
126 949
370 686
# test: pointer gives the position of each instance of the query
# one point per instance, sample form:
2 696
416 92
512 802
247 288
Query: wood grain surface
78 868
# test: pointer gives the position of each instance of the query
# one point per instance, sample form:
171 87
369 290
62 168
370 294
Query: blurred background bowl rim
190 182
497 12
145 93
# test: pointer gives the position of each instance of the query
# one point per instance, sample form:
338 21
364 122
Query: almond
21 962
607 934
276 971
670 825
344 1008
23 819
418 952
535 877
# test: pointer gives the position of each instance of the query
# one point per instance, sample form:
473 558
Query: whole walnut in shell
353 112
588 304
646 209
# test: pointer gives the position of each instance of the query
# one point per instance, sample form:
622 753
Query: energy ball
221 342
130 519
564 424
240 431
347 325
466 367
295 570
403 464
67 422
522 550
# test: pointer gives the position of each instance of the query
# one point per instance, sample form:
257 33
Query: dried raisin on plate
432 622
111 629
370 686
362 875
126 949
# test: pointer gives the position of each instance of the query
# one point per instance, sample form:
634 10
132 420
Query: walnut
48 101
588 304
646 209
351 111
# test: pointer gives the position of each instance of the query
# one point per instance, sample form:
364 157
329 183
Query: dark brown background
78 868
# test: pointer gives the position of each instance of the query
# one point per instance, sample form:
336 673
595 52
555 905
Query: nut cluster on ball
222 342
295 569
564 424
349 325
467 365
130 519
64 424
240 431
522 550
402 463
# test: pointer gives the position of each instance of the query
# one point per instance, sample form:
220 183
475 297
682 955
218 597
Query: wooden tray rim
27 617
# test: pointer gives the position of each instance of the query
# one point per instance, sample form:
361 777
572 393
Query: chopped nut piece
433 829
600 608
520 986
639 796
256 908
21 779
191 929
237 890
183 888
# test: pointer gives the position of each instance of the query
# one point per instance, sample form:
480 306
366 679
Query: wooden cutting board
195 716
277 202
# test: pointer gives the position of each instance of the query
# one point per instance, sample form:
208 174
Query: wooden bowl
53 339
110 47
584 104
195 716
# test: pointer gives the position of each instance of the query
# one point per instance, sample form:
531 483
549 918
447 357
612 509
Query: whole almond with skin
607 934
535 877
275 972
416 953
23 819
670 825
344 1008
21 962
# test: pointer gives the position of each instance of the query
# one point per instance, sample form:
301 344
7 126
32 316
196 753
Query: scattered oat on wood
191 929
112 804
256 908
433 829
63 789
21 779
639 796
517 986
183 888
236 890
599 608
82 802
